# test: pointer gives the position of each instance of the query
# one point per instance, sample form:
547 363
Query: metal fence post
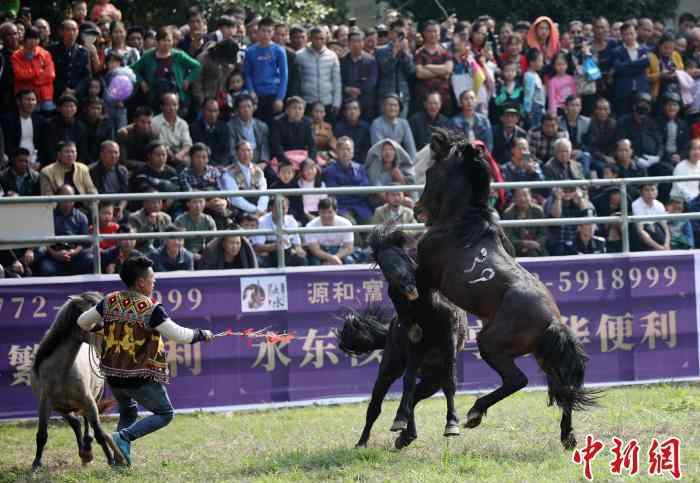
625 215
279 228
97 259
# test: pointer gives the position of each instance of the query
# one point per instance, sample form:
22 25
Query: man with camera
396 66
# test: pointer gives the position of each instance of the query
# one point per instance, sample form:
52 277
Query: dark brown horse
462 255
409 349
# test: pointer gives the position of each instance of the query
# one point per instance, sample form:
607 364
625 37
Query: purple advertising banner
635 315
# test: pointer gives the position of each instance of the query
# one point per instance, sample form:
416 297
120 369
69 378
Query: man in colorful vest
133 356
245 175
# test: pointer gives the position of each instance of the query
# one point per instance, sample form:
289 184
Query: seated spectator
156 174
391 126
687 190
651 235
523 166
627 165
66 169
675 132
150 219
506 133
641 129
422 122
682 237
199 175
393 209
223 216
330 248
346 172
245 175
98 128
16 263
305 208
471 123
195 220
266 245
114 258
19 178
66 126
528 241
110 177
244 127
387 163
323 132
25 128
173 131
214 133
292 131
228 252
352 126
107 225
601 136
34 70
135 139
562 166
541 139
565 203
172 256
577 127
585 243
286 179
67 258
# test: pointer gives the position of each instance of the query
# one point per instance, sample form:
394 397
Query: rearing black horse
462 255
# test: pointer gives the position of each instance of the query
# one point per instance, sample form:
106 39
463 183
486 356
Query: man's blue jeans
153 397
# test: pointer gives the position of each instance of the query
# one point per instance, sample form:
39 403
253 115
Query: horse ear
440 143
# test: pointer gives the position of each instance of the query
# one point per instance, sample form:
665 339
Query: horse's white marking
477 260
486 275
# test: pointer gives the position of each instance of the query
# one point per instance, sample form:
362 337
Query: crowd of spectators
246 102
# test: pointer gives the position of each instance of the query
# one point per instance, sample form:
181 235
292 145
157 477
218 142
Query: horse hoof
399 425
569 442
36 466
361 445
473 419
451 429
403 441
86 457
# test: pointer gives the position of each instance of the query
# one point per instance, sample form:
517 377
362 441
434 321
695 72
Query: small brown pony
63 378
463 256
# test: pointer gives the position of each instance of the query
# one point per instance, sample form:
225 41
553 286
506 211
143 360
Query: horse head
388 247
459 179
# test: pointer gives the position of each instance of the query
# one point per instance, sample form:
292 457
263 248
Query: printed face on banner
263 294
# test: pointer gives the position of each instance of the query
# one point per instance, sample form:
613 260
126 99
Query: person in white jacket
320 74
688 190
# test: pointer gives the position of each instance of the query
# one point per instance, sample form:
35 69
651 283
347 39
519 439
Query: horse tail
563 361
363 331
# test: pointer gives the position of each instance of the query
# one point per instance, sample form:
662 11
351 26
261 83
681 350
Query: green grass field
518 441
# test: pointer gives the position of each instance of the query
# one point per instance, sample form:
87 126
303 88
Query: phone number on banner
604 280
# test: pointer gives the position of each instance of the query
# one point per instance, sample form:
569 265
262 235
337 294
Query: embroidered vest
255 178
131 348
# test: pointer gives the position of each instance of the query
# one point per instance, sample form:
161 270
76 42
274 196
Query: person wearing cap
506 133
71 61
641 129
34 70
630 62
89 33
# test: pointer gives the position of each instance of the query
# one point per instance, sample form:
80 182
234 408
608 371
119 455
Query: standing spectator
396 66
541 139
195 220
214 133
114 257
110 177
71 61
104 8
320 74
601 136
150 219
266 245
645 28
561 85
166 70
79 11
134 38
44 29
297 38
266 71
686 190
173 131
67 258
506 134
352 126
543 35
66 170
173 256
194 42
228 252
346 172
34 70
422 122
281 38
10 44
19 179
98 128
534 97
360 75
330 248
433 66
244 127
653 235
67 127
528 241
664 62
117 34
475 126
630 62
218 64
292 131
135 138
25 128
585 243
391 126
675 132
509 92
245 175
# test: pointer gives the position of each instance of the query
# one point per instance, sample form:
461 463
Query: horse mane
64 323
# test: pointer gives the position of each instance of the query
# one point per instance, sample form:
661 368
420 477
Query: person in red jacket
34 70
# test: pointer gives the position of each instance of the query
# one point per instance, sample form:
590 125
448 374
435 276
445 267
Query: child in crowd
561 85
107 224
535 95
115 108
